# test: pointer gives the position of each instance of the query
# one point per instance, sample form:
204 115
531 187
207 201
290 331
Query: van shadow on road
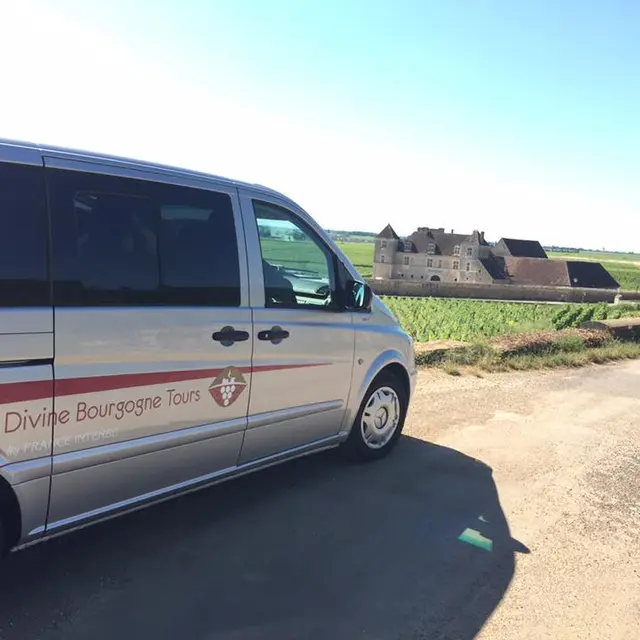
316 548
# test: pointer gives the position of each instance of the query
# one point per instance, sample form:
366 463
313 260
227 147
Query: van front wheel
380 419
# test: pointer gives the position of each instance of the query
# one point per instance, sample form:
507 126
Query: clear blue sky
516 118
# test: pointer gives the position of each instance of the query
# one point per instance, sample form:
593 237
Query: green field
627 276
447 319
361 255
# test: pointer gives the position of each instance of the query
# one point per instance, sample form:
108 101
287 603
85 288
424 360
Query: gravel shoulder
565 451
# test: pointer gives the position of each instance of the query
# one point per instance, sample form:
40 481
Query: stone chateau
436 256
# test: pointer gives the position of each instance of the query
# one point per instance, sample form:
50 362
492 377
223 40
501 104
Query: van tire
373 435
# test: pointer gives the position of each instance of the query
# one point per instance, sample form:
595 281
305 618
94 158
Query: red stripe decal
43 389
25 391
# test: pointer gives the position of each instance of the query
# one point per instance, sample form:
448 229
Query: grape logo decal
228 386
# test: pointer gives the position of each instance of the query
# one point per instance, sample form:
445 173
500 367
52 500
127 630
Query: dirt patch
548 341
435 345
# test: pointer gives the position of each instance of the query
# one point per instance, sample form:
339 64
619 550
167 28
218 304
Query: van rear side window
125 242
24 280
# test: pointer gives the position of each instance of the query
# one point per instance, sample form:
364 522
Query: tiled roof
590 274
535 271
444 242
388 233
494 266
561 273
520 248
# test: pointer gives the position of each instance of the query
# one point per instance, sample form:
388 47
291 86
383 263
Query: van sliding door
153 349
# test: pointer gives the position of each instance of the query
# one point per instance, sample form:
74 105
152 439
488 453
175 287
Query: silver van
162 330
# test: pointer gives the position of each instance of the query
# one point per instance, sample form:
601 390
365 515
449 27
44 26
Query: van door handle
228 336
274 335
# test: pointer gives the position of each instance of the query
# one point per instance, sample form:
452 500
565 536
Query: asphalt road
542 472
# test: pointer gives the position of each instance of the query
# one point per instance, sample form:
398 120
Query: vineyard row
448 319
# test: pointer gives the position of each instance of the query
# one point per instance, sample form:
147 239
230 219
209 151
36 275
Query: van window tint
24 279
117 245
129 242
199 252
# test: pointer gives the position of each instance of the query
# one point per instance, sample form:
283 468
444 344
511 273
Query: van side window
119 241
198 249
24 231
298 268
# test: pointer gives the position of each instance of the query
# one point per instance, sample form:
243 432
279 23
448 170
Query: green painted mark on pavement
471 536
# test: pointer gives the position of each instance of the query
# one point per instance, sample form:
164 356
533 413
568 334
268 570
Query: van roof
132 162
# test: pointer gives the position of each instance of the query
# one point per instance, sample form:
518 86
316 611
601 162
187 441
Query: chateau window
468 267
456 264
429 262
406 260
381 258
456 250
439 264
431 248
469 251
384 244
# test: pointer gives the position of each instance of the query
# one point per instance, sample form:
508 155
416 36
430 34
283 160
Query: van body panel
26 471
107 453
167 492
28 321
124 480
137 398
20 153
311 368
26 414
379 346
24 349
133 373
33 498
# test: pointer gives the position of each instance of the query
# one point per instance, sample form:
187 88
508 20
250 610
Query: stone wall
496 291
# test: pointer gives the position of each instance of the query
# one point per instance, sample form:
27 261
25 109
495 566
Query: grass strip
539 350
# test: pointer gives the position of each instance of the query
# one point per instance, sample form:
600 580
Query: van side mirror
359 296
